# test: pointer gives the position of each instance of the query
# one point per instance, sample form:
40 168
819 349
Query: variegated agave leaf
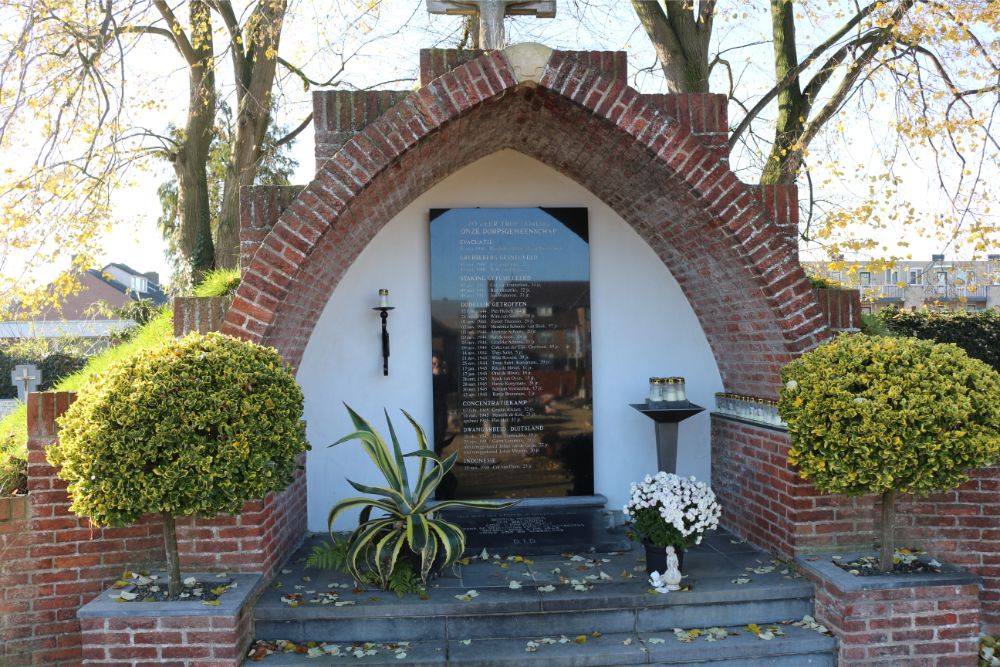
409 518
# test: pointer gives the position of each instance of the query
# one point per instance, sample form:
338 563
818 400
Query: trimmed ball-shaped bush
195 427
870 414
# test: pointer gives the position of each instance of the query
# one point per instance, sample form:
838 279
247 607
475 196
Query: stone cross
26 378
491 14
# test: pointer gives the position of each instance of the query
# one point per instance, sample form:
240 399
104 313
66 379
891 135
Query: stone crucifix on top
491 14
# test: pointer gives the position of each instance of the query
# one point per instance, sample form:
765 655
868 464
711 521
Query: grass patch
160 329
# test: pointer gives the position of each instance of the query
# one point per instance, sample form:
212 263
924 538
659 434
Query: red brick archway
737 266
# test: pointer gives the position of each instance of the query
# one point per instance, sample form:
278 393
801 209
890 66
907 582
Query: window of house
866 310
891 276
942 278
916 277
866 277
139 284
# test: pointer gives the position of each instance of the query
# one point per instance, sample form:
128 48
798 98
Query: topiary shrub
196 427
869 414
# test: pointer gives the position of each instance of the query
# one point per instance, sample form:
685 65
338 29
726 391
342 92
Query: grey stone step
797 648
506 613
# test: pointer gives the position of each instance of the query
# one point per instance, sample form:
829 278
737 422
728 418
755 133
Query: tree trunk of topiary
173 560
888 529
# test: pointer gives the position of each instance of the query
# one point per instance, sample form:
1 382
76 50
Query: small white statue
670 580
672 577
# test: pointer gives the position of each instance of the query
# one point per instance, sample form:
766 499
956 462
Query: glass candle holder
655 390
681 390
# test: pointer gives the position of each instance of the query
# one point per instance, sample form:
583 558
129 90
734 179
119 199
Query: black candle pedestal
667 414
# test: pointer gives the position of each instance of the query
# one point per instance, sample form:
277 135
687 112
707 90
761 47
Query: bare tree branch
793 75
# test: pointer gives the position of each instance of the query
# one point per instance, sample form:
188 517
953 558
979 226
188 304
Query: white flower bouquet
668 510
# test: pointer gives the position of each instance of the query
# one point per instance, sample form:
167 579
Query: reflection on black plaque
510 312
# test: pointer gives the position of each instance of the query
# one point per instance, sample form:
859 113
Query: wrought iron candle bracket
383 310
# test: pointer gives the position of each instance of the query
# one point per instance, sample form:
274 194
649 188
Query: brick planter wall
170 633
15 572
202 641
928 621
961 527
765 501
60 561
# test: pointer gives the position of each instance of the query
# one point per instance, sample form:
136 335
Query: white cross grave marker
491 14
26 378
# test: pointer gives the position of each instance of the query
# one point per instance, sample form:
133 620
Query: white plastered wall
642 326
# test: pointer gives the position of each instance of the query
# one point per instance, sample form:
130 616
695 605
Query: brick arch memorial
658 160
660 163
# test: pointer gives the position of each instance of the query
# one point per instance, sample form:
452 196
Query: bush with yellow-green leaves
196 427
871 414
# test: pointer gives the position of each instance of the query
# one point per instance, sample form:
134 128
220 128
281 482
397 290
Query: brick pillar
841 307
435 62
199 313
260 208
340 114
702 114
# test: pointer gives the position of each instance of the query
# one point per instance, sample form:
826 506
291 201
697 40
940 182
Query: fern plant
406 518
328 556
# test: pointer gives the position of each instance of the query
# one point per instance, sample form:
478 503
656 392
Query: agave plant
406 518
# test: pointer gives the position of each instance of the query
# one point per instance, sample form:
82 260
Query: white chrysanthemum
689 506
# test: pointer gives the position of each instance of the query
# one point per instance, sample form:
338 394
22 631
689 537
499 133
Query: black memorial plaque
510 318
536 530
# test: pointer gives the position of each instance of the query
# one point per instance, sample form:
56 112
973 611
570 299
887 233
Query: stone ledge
231 602
822 567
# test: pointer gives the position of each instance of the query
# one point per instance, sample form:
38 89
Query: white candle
383 298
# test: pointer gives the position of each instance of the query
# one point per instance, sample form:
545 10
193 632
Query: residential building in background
937 283
80 315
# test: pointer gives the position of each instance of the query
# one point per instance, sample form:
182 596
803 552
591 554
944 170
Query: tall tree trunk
888 530
680 38
784 161
173 558
255 79
191 159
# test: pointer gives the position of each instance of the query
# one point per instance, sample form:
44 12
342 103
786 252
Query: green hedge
977 333
54 367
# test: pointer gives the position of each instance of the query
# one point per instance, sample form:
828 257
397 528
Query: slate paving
474 615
